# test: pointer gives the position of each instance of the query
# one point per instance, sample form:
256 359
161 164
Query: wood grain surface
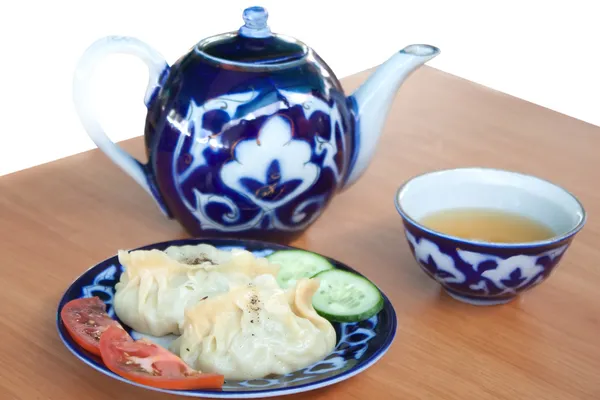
61 218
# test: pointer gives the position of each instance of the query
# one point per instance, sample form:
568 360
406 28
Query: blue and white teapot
250 133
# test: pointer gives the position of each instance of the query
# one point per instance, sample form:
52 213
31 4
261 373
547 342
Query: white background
546 52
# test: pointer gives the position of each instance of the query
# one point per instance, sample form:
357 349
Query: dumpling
198 254
155 288
245 263
256 330
213 259
154 291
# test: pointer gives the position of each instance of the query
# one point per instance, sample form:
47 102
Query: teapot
249 134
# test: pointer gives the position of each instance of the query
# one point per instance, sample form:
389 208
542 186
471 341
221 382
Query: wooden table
60 218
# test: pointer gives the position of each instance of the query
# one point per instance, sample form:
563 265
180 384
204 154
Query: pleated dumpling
236 261
256 330
158 286
199 254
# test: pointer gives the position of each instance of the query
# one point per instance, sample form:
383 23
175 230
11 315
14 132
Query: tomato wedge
86 319
149 364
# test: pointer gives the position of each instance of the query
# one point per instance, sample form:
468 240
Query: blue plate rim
232 242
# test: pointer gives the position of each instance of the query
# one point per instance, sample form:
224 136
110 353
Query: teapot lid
253 44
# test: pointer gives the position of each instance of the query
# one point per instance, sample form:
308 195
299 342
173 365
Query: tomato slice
86 319
149 364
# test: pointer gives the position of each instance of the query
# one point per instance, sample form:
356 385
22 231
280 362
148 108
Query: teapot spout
371 103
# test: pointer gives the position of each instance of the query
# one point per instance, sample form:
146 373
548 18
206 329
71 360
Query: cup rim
537 243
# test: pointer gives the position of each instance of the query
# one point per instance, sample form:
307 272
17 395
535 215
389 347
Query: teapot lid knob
255 23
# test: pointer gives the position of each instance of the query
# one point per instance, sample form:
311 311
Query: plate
359 345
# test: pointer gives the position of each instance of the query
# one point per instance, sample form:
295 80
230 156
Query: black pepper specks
202 258
254 305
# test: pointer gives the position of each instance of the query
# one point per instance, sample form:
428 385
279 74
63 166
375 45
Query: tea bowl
479 272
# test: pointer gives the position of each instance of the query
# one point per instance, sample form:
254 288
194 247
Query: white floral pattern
527 266
482 275
270 170
254 158
424 249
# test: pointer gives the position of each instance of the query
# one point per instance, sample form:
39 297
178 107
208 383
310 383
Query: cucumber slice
296 264
346 297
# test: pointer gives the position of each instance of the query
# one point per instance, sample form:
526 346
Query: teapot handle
157 68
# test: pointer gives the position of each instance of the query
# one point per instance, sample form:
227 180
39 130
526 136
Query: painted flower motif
271 187
480 273
273 168
515 279
439 264
507 274
103 287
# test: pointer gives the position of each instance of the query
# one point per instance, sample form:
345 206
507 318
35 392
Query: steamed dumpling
156 287
256 330
200 254
154 291
212 259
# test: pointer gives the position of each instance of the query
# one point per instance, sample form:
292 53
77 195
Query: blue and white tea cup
487 273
